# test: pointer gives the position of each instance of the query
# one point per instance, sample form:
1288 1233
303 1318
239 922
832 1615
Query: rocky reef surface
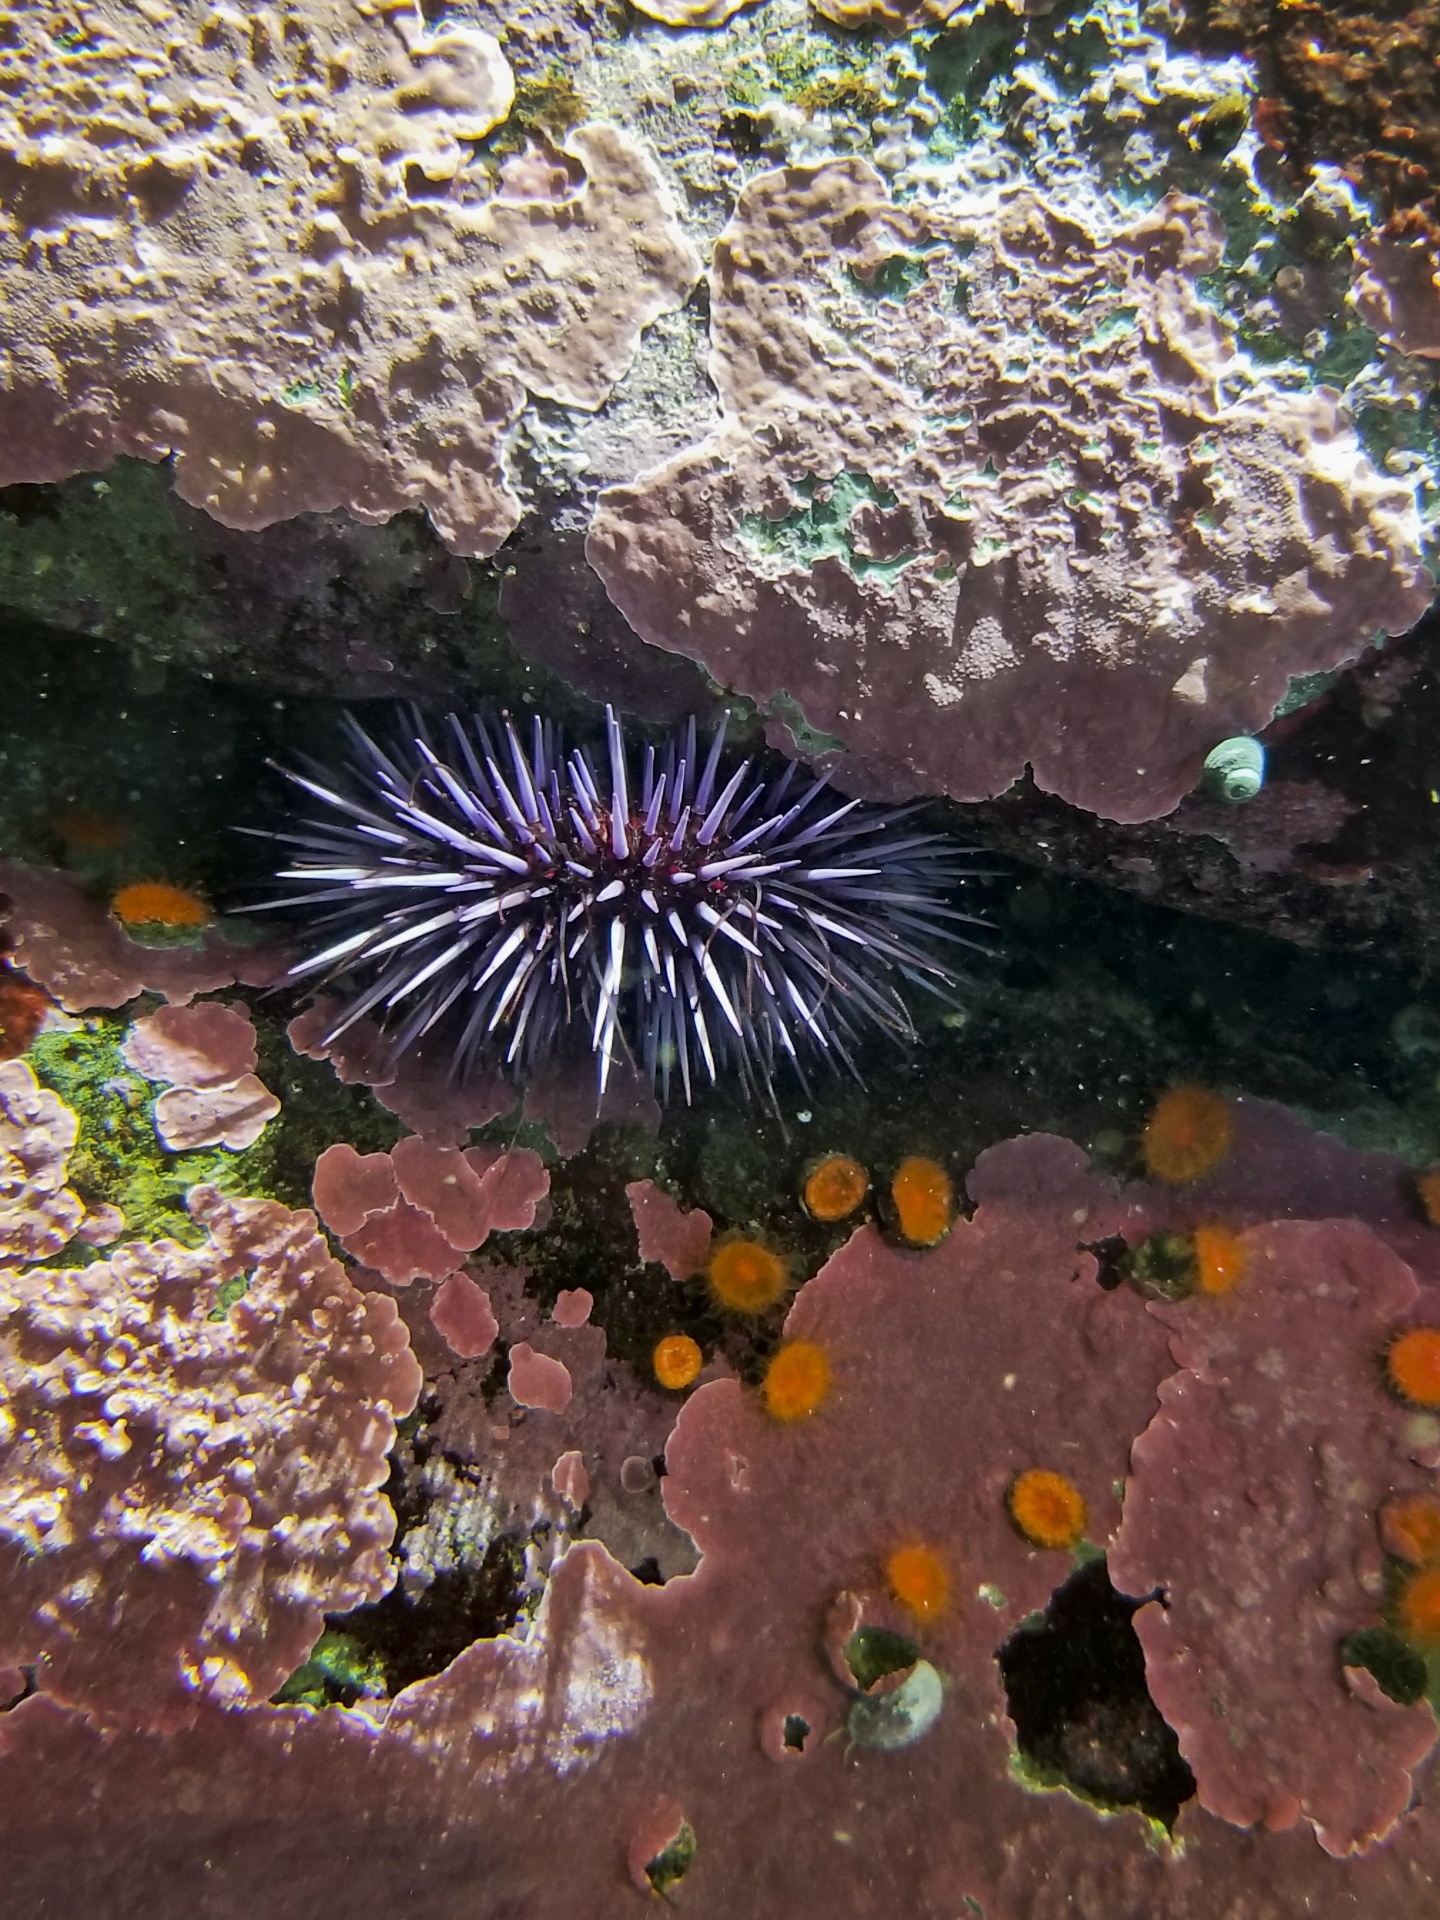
1027 411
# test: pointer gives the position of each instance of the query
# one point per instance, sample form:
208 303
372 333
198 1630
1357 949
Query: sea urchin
703 923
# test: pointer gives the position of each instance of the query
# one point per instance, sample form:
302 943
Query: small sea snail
1235 770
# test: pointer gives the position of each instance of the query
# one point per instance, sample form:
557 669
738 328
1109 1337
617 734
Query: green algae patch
673 1862
118 1157
339 1671
821 528
809 740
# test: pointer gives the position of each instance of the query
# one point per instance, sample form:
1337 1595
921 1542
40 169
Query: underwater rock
194 1444
84 958
1251 1509
272 341
1027 566
579 1726
415 1212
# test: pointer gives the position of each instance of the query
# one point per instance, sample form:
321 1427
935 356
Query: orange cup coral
1418 1608
156 903
1410 1528
1048 1509
676 1361
1427 1189
833 1188
797 1381
745 1276
1219 1260
1190 1131
1412 1366
920 1580
923 1199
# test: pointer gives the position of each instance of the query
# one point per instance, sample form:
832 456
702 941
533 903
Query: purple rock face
1002 518
1252 1507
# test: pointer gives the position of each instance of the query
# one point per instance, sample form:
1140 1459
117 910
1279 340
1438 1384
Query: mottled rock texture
994 487
194 1444
251 242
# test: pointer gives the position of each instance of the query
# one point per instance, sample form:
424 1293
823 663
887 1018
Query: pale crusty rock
208 1044
1397 293
995 485
896 16
252 238
38 1212
192 1451
690 13
205 1054
232 1116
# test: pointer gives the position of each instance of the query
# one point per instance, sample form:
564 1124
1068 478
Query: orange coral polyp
920 1580
1410 1528
1418 1608
834 1188
797 1381
924 1201
1189 1133
1427 1187
746 1277
1048 1509
677 1361
1219 1260
1413 1366
156 903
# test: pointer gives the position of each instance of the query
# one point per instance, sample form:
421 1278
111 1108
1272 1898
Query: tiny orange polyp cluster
1190 1132
1418 1608
1048 1509
797 1381
1410 1528
834 1187
746 1277
920 1580
157 903
676 1361
923 1198
1427 1188
1412 1366
1219 1260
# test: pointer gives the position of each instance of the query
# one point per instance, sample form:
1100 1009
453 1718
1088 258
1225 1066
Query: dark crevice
413 1637
32 1685
1084 1719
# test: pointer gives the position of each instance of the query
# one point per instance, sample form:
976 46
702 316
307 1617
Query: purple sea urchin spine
706 925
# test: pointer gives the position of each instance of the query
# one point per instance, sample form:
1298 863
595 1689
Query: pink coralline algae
667 1232
194 1446
205 1055
1034 510
461 1313
84 958
421 1089
953 1369
537 1381
204 1045
1252 1506
1278 1168
38 1211
232 259
564 1395
415 1212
